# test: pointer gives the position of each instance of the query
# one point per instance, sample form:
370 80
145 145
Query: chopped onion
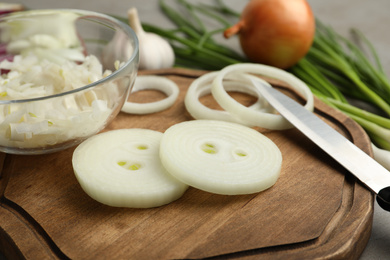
49 58
31 77
162 84
48 123
251 116
220 157
55 120
122 168
202 86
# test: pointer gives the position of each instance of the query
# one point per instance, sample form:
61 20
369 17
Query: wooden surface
315 210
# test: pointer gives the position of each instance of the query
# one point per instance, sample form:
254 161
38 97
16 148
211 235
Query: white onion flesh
165 85
55 120
31 76
220 157
122 168
251 116
202 86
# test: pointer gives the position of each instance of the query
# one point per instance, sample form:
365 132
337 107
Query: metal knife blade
360 164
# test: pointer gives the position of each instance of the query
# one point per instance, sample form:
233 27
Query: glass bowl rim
84 13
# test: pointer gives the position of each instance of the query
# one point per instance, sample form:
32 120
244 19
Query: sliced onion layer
220 157
122 168
251 116
165 85
202 86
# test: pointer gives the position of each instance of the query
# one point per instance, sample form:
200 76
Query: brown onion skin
275 32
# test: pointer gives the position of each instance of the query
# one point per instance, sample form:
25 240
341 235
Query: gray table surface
371 17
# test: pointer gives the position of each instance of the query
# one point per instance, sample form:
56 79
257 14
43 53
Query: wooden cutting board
315 210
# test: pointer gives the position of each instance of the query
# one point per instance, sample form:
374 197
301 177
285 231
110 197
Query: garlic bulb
154 51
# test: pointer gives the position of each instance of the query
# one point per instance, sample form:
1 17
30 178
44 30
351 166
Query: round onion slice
202 86
165 85
251 116
122 168
220 157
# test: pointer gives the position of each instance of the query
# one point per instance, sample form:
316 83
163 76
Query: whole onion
275 32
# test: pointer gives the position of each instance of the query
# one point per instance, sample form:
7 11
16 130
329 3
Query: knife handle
383 198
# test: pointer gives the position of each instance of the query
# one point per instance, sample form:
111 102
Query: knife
360 164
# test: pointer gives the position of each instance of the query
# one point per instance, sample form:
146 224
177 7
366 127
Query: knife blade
360 164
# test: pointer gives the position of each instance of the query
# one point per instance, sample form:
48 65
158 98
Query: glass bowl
94 84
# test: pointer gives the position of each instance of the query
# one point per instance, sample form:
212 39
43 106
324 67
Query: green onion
197 38
349 71
332 52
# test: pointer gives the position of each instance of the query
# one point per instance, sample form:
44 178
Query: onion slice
162 84
202 86
122 168
220 157
250 116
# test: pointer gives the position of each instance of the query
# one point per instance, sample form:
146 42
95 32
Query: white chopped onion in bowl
31 77
55 120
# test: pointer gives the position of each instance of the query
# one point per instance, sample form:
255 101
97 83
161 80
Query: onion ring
165 85
250 116
202 86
